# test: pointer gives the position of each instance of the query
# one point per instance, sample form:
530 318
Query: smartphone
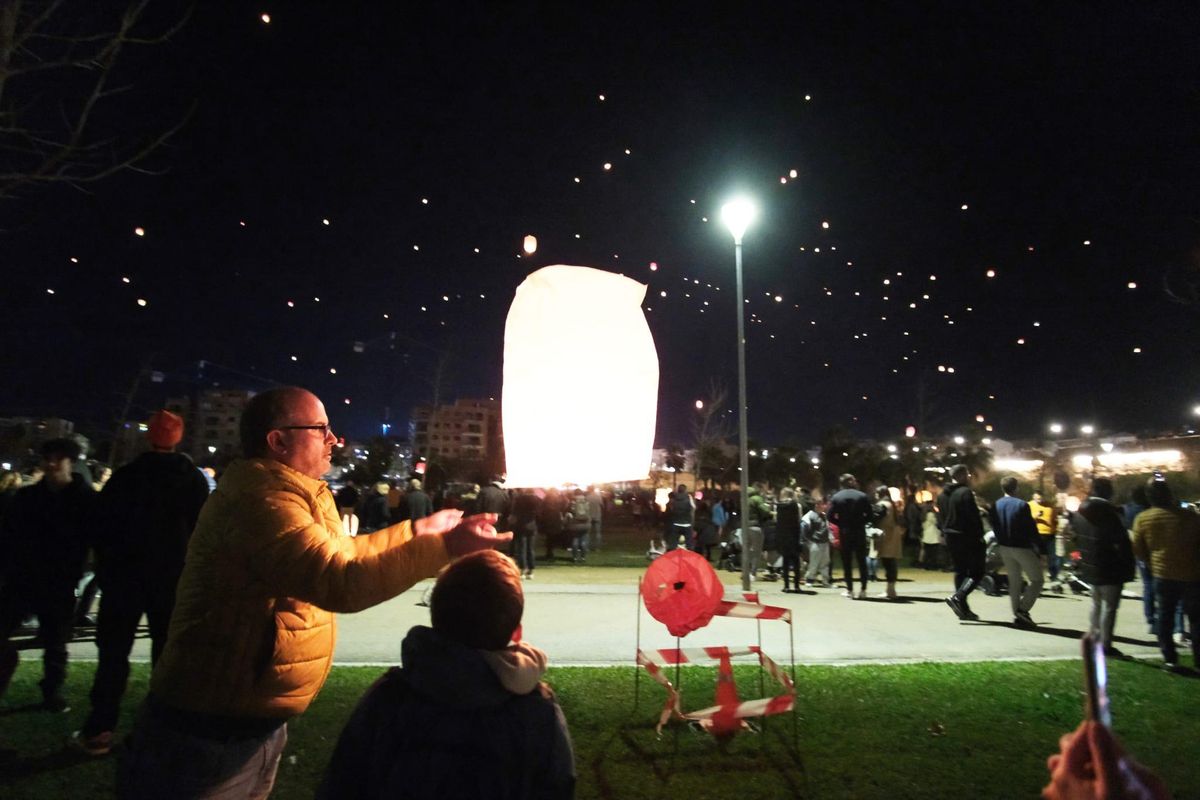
1095 677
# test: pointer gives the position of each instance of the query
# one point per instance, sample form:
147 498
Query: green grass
981 730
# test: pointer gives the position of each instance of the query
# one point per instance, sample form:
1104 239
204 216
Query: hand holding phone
1095 678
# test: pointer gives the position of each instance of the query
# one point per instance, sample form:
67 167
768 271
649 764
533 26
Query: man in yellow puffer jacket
252 634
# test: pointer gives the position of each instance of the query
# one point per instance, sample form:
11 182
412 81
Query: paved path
596 624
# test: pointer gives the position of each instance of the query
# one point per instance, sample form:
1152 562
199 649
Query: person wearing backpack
681 513
579 524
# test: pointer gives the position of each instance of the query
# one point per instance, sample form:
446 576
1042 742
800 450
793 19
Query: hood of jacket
465 678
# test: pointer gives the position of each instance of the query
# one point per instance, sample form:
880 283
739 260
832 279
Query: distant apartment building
20 437
468 430
212 430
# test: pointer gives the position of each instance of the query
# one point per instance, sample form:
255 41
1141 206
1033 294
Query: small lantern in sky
530 245
557 432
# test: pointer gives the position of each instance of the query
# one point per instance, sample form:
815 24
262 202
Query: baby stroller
1068 576
731 552
995 581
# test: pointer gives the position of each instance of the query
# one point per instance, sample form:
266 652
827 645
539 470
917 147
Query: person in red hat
147 512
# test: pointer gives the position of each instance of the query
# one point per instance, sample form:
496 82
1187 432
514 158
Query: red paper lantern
682 591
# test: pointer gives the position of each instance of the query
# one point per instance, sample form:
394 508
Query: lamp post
737 216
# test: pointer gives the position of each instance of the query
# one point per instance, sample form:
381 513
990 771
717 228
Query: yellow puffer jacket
1169 541
252 634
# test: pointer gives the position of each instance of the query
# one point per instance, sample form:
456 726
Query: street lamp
737 216
1087 430
1056 428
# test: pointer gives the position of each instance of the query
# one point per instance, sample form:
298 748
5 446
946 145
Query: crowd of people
240 587
1011 545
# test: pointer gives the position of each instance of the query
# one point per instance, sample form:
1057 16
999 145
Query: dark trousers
55 611
162 760
969 555
1171 595
791 566
889 568
121 609
523 545
854 550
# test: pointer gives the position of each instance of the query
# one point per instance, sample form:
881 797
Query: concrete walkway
596 623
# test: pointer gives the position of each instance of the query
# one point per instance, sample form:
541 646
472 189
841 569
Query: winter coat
1106 554
454 722
147 512
252 635
681 508
930 532
960 513
891 543
814 528
759 509
375 513
492 500
45 536
1013 523
787 527
525 508
1168 539
419 504
851 511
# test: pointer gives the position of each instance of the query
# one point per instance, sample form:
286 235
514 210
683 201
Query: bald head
263 413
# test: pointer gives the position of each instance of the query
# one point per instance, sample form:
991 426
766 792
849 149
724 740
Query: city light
1087 430
1056 427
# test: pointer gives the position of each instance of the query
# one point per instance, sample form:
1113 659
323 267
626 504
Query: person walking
1168 539
850 509
1106 558
890 544
44 541
147 512
963 527
1017 543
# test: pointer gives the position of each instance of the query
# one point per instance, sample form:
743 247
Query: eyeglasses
325 428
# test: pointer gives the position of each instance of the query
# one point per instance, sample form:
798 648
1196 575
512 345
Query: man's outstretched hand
1092 765
462 536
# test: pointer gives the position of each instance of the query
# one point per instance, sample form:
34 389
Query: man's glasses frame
325 428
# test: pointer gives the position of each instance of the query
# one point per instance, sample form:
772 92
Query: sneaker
1024 620
1170 666
529 576
848 593
55 703
956 606
862 595
99 744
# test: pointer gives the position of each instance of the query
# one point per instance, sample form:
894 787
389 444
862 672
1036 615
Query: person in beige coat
890 544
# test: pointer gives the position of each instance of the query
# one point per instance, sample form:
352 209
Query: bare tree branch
45 62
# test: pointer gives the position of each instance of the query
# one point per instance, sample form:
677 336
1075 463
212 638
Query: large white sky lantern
580 379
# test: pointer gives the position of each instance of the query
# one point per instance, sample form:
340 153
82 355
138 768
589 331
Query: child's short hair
478 601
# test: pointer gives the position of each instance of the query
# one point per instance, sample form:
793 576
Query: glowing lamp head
737 215
530 245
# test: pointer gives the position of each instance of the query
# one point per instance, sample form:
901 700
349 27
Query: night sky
1059 147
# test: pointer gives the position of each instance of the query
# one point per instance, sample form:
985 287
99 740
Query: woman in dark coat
787 538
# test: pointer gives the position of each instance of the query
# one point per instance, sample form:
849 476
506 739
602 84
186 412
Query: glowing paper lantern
530 245
682 591
567 419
